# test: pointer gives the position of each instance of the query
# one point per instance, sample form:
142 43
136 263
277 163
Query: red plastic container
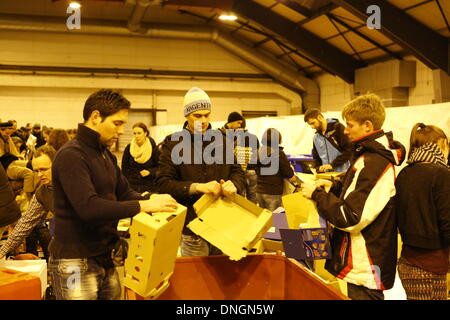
255 277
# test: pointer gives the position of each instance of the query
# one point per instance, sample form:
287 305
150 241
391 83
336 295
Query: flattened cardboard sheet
232 226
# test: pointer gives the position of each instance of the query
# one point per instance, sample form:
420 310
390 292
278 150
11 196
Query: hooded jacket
175 175
364 239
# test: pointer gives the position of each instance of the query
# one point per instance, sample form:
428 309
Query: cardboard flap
300 211
232 226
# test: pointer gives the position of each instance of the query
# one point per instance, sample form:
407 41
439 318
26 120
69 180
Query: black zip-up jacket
364 240
334 134
176 179
423 205
90 196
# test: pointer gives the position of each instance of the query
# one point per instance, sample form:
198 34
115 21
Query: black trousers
355 292
41 235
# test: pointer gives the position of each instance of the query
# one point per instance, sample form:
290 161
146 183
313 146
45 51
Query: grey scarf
429 152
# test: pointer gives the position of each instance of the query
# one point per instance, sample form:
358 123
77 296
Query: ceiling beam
334 60
426 45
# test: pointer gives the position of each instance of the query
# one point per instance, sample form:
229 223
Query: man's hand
159 203
144 173
212 187
308 189
326 184
228 188
325 167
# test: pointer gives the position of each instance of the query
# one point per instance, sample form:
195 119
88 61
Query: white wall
57 100
335 93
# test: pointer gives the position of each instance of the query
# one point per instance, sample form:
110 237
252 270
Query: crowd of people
74 175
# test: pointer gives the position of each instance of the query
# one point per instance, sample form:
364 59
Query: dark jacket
423 205
176 179
273 183
364 240
90 196
9 210
246 146
333 148
131 169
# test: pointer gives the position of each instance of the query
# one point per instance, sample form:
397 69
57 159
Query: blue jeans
251 180
193 245
269 201
83 279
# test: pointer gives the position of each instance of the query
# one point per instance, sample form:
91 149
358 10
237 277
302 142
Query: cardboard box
267 246
279 221
300 211
330 175
232 226
17 285
306 244
154 241
37 268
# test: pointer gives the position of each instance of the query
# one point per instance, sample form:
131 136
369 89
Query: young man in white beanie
188 170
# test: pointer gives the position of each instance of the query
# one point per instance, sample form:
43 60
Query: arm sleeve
154 159
369 192
72 172
345 147
128 171
442 202
285 166
35 213
167 178
316 157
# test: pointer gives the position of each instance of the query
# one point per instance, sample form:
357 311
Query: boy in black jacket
361 209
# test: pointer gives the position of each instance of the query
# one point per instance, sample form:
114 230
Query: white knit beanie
196 99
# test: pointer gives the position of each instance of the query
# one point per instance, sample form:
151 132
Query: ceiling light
227 17
74 5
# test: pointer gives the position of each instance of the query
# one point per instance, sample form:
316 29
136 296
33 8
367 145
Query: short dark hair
47 150
105 101
312 113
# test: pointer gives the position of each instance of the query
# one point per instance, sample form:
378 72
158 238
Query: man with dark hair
331 147
37 133
246 147
40 205
90 196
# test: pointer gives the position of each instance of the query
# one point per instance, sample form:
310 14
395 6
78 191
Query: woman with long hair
423 215
140 160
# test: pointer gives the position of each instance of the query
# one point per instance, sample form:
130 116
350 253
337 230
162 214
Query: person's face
5 133
235 124
111 127
199 120
316 123
42 165
355 130
139 135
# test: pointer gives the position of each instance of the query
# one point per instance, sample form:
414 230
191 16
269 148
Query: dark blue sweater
90 196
